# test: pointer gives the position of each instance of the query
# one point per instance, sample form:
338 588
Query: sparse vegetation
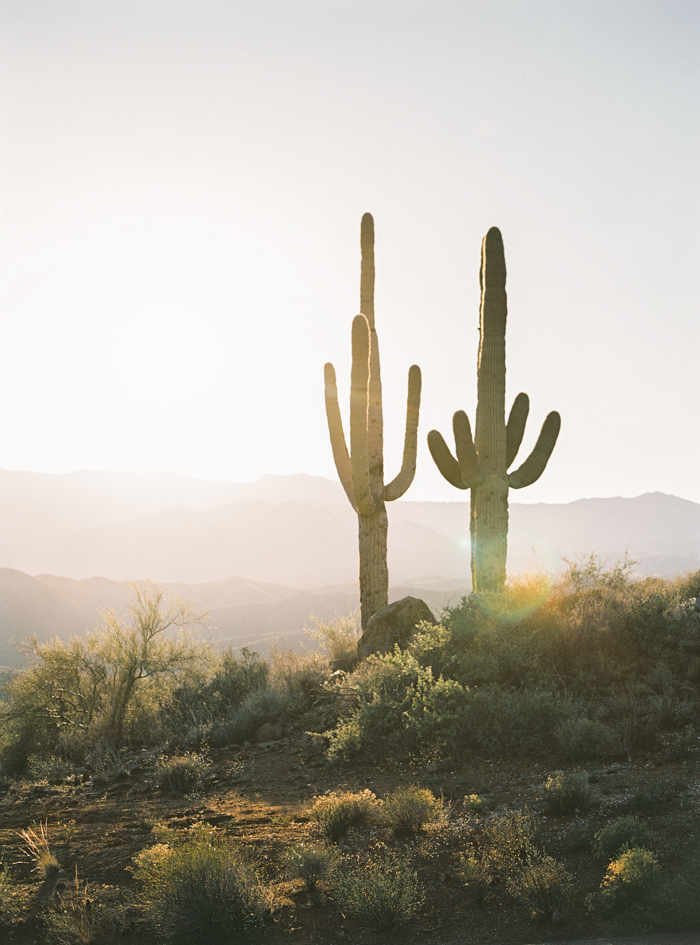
385 892
543 887
509 692
201 885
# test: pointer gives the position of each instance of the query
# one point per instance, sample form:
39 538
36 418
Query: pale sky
182 183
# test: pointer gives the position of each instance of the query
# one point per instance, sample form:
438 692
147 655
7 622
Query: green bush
385 892
511 841
408 809
582 738
629 879
621 834
543 887
183 774
312 862
478 804
567 792
673 904
49 768
336 813
200 888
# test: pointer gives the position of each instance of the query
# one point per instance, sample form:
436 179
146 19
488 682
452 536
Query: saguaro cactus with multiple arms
361 470
482 463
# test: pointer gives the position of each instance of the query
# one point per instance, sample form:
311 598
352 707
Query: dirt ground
260 796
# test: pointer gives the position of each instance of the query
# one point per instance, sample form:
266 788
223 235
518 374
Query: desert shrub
73 920
476 878
673 903
385 892
183 774
312 862
298 677
682 744
336 813
510 841
49 768
543 887
203 701
629 879
621 834
580 738
38 850
243 721
478 803
201 888
567 792
408 809
106 686
338 638
399 705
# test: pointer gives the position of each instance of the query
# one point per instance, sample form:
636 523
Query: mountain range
262 556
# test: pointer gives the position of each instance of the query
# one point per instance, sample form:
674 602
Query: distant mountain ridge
300 530
261 557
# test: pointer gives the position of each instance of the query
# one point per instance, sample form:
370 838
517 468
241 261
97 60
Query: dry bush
336 813
408 809
385 892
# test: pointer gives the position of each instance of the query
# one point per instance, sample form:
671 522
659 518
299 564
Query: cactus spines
361 469
482 463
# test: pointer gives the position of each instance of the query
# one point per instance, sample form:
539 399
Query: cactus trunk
489 521
361 471
481 464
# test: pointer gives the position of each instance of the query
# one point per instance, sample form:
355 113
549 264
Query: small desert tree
88 685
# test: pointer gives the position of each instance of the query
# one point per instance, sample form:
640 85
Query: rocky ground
260 795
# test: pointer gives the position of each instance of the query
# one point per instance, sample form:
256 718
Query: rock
269 732
394 624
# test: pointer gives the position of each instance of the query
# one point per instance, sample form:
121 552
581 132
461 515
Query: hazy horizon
182 189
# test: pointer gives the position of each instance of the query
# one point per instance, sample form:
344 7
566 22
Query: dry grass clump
408 809
183 774
312 862
37 848
336 813
543 887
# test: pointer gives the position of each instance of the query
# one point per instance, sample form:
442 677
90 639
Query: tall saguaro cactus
361 470
482 463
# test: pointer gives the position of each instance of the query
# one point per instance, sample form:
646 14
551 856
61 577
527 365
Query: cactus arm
359 434
335 428
444 460
396 488
367 268
462 472
465 449
515 428
534 465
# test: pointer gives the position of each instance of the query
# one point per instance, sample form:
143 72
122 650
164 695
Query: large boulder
394 624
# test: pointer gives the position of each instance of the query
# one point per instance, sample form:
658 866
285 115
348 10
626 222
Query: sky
182 183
